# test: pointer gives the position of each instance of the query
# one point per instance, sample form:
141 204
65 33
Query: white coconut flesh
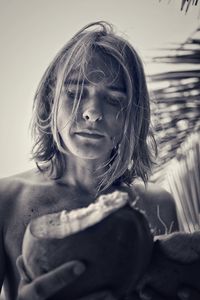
65 223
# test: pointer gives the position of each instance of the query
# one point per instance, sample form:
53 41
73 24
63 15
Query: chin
92 156
91 152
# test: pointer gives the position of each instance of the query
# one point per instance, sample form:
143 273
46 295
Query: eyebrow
85 82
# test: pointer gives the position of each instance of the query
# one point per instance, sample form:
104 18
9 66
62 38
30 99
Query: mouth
90 135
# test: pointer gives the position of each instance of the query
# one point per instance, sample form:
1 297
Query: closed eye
71 94
115 100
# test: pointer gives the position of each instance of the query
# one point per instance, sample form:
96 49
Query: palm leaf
176 94
183 180
176 117
185 4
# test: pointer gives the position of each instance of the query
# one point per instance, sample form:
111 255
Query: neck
83 173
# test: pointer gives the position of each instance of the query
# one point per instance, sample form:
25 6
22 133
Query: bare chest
33 202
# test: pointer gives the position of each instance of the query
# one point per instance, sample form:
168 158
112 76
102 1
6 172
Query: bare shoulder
159 206
13 186
155 194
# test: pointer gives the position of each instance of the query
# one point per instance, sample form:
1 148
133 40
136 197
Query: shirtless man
91 123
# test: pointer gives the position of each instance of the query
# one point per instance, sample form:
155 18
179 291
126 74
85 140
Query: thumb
21 269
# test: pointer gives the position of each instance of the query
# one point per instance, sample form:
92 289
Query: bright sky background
32 31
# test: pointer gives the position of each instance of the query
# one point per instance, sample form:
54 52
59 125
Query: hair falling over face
134 155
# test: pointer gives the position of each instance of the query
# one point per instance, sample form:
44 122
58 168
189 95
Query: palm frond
183 177
176 105
176 117
186 4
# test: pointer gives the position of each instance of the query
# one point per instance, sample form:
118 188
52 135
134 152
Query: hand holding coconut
48 284
44 286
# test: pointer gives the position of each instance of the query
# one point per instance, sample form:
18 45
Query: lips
90 134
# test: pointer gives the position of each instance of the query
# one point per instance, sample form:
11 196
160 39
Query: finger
21 269
102 295
46 285
188 294
149 293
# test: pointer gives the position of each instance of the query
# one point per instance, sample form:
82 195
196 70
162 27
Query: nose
92 112
92 109
92 115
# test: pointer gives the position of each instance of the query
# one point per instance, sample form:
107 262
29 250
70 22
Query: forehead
100 68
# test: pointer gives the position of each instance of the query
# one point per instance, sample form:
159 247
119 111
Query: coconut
109 236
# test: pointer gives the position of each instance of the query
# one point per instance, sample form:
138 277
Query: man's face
98 124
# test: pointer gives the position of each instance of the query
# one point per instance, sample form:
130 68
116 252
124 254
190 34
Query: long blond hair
134 155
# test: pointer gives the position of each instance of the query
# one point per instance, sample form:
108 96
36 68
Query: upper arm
165 212
7 192
160 209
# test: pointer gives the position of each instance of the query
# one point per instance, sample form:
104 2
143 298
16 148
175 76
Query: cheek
116 124
64 114
62 121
